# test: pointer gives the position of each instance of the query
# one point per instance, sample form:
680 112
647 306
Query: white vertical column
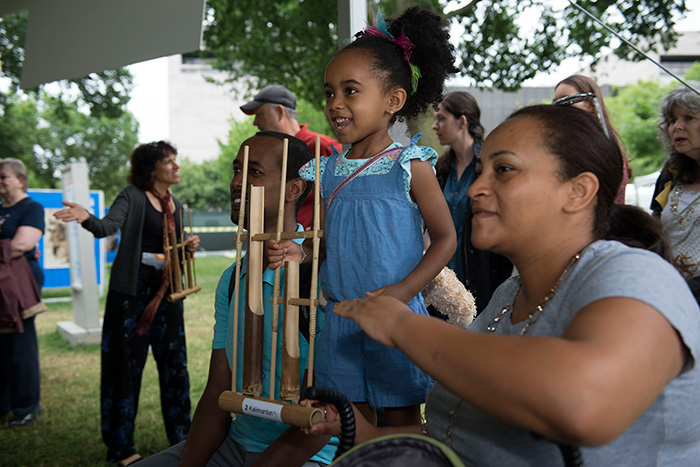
85 327
352 16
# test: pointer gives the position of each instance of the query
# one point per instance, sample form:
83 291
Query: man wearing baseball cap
274 108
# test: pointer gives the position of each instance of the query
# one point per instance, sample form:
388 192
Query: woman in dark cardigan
137 315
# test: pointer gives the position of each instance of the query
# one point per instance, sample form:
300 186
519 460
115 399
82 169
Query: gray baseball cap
274 94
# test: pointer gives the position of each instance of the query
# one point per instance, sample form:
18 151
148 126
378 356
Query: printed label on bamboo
262 409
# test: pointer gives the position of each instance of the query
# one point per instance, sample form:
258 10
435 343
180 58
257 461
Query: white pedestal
76 334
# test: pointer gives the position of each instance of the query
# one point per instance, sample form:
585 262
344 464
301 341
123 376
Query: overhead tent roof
72 38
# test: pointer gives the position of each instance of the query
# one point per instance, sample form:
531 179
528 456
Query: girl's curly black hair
432 54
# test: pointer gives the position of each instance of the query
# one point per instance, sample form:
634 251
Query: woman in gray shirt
593 344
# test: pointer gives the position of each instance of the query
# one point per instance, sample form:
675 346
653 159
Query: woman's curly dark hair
432 54
143 163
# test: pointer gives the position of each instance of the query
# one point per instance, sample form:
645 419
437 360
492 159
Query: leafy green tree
202 186
19 121
206 185
85 120
502 43
239 132
636 110
103 142
694 72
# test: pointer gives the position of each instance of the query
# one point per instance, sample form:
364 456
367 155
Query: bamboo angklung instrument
239 247
289 378
254 310
276 283
247 402
180 260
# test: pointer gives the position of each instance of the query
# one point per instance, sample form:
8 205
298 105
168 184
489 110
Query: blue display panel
54 243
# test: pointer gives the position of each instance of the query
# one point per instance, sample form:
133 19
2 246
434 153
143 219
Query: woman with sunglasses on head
584 93
137 314
677 195
458 128
593 344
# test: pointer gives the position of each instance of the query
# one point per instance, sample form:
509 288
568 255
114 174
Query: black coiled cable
347 416
572 455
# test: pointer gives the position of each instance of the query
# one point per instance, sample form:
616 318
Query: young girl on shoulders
376 196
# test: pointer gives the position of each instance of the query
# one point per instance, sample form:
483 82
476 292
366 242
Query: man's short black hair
298 154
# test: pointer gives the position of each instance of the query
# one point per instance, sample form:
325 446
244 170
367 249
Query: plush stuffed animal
447 294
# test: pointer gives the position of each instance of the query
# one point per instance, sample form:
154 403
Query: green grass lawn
68 430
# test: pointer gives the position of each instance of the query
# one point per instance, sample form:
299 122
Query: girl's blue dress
373 236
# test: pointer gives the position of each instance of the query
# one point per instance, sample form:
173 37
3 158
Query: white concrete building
199 112
678 59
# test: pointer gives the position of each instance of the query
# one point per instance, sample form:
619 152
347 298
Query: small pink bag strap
361 169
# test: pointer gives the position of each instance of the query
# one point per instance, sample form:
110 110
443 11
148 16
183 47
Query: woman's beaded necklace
685 215
537 311
534 315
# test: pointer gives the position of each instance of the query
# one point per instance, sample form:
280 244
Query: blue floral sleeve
308 170
413 151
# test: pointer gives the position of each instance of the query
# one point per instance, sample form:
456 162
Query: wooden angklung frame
181 260
249 401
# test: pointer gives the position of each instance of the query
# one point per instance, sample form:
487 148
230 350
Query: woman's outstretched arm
585 388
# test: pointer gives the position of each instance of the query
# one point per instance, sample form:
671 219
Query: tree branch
465 10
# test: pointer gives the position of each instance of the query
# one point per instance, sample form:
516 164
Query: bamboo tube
239 247
178 295
166 253
194 267
183 252
283 236
276 283
296 415
289 378
254 313
314 268
187 255
176 273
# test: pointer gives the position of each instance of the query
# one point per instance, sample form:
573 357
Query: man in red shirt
274 108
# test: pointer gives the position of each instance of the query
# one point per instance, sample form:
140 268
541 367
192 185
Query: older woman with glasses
21 226
137 314
584 93
677 195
